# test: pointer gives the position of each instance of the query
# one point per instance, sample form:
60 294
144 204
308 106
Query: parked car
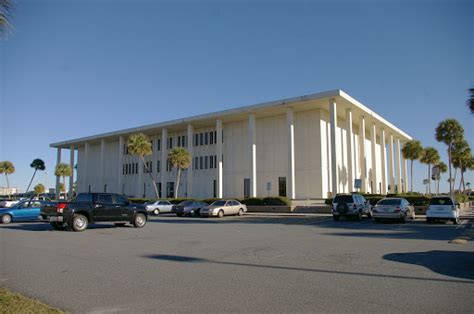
442 208
7 203
93 207
159 207
350 205
22 211
188 208
393 208
224 207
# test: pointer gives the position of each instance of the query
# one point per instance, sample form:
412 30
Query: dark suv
352 205
93 207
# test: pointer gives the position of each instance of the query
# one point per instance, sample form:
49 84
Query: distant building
305 147
8 191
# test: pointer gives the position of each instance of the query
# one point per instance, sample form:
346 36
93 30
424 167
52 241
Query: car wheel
119 224
369 213
456 221
335 218
241 212
403 218
6 219
220 214
429 220
377 219
139 221
156 212
59 226
179 215
79 222
359 216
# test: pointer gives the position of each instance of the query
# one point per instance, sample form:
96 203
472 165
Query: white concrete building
305 147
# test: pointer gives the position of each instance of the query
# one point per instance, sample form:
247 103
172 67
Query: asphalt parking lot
242 264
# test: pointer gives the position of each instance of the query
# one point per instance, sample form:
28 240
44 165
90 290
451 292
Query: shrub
254 201
328 201
139 200
210 200
276 201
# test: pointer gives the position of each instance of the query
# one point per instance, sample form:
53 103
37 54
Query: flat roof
306 102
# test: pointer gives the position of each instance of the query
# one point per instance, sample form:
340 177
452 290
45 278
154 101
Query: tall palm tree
442 168
181 159
63 170
449 131
461 159
37 164
412 150
470 101
139 144
7 167
430 157
39 189
5 8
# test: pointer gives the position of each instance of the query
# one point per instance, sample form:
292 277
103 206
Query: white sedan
159 207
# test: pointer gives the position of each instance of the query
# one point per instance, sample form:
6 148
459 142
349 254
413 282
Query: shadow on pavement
189 259
39 226
449 263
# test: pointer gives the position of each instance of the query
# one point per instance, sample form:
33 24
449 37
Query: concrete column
101 166
84 174
121 143
291 154
333 121
362 157
58 179
71 164
404 175
383 156
373 142
189 172
253 155
164 161
398 166
350 147
390 165
220 169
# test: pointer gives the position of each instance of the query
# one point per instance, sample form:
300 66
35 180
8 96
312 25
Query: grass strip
11 302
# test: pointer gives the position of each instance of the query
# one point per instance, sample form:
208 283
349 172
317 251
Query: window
183 140
282 186
158 144
206 162
136 167
211 161
170 143
169 166
214 188
169 189
158 166
105 198
201 163
215 137
179 141
84 197
123 169
211 137
246 188
105 188
159 189
195 165
201 136
120 200
206 138
196 139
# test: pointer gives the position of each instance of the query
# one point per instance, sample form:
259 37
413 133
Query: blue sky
76 68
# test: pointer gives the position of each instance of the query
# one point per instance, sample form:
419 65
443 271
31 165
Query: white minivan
442 208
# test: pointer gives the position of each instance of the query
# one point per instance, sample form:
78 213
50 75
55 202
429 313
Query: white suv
354 205
442 208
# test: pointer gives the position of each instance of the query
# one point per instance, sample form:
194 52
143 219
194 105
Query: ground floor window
246 188
215 189
282 186
169 189
159 189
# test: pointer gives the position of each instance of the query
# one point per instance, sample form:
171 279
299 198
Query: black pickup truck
90 208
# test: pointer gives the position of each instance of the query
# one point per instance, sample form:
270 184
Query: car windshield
218 203
18 205
343 199
390 201
186 203
441 201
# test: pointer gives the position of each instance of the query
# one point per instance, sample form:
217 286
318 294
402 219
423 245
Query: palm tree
470 101
39 188
63 170
181 159
448 132
430 157
37 164
462 157
139 144
442 168
5 7
412 150
7 167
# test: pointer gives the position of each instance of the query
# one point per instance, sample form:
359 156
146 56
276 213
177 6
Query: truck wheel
139 221
335 218
59 226
358 217
6 219
79 222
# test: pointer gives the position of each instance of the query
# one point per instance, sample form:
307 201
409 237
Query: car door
104 208
22 211
165 206
34 210
121 208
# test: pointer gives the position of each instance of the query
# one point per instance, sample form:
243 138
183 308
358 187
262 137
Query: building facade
305 147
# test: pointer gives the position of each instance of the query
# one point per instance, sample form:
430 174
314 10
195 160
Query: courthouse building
304 147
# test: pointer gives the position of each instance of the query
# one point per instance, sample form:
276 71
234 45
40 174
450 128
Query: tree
181 159
5 8
139 144
39 189
62 187
462 159
7 167
448 132
412 150
442 168
37 164
430 156
63 170
470 101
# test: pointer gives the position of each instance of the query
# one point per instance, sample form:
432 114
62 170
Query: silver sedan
224 207
159 207
393 208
